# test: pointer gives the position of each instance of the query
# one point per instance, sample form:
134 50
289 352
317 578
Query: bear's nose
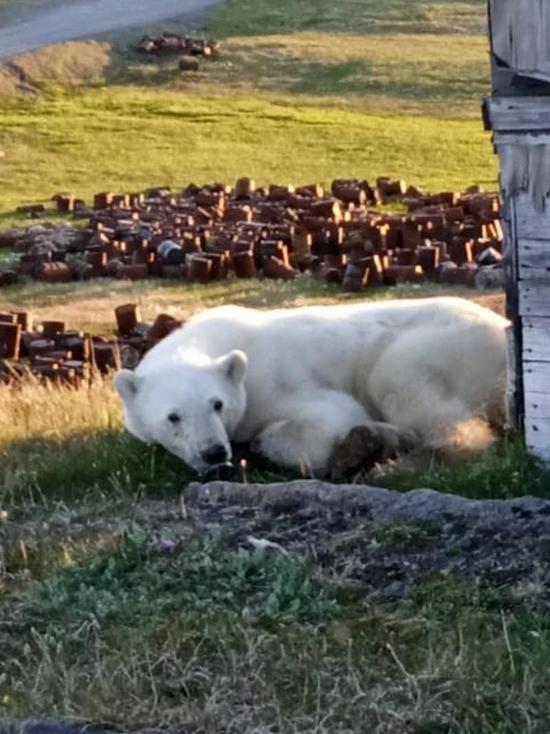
215 454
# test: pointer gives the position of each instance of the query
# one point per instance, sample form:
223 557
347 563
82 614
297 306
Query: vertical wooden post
514 351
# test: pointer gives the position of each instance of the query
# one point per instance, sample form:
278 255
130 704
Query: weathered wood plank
521 138
510 263
534 298
514 385
518 33
521 114
537 406
536 377
531 224
534 259
512 414
536 339
537 437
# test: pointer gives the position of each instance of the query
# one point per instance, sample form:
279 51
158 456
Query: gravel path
84 18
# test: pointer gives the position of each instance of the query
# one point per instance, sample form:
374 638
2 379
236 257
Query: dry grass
72 63
90 306
50 413
393 73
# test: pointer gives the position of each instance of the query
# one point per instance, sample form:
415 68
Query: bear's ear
126 384
233 366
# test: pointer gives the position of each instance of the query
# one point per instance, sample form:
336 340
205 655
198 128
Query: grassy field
113 139
97 621
365 16
396 91
390 73
116 631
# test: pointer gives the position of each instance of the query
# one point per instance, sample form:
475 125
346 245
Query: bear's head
189 406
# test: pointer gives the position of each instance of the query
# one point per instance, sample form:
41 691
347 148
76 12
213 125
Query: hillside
366 89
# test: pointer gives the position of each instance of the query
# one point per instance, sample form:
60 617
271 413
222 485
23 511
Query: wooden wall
531 243
520 35
521 134
518 113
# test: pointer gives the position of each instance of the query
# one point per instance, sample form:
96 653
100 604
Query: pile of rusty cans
340 235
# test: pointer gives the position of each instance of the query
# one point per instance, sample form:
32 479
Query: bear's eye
174 418
218 406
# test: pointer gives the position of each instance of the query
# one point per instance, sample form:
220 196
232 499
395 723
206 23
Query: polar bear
295 382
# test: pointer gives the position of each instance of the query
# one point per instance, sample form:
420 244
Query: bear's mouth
219 472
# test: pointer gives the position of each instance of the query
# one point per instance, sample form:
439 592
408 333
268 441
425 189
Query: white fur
434 368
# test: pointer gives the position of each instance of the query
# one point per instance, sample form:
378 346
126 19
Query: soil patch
69 63
383 542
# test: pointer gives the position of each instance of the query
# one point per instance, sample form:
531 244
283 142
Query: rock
489 256
381 505
187 64
490 276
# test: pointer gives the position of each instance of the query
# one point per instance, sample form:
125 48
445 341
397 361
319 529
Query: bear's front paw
367 445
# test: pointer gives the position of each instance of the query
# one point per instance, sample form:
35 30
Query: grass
96 300
237 640
390 73
254 17
212 585
505 470
360 98
124 139
59 446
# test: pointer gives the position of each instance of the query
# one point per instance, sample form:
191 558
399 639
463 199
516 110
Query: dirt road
72 19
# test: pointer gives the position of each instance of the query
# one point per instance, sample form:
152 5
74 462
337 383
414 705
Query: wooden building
518 113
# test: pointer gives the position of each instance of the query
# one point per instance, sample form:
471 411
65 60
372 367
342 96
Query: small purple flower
166 545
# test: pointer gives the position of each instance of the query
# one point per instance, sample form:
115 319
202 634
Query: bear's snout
216 454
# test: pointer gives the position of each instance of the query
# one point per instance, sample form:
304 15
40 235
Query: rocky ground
378 541
382 542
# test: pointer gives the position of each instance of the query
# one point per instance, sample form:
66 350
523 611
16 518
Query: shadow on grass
103 462
108 462
254 17
349 78
357 78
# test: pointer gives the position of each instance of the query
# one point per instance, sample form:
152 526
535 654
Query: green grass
230 640
123 139
197 576
104 463
394 73
505 470
254 17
